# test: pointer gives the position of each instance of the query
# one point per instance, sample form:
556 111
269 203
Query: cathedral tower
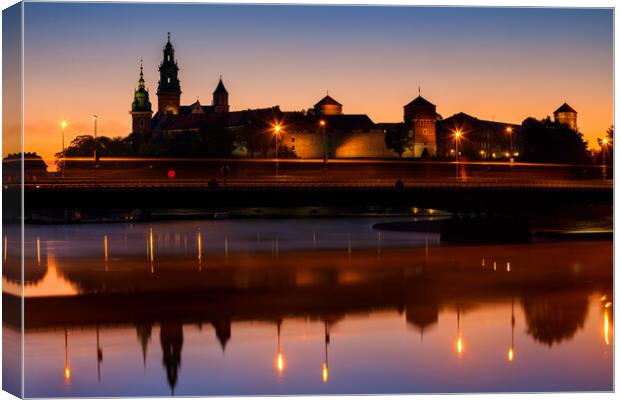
169 88
220 98
141 111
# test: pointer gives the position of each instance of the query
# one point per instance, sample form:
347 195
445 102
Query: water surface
304 307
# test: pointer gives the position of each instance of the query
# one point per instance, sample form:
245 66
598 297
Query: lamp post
63 125
509 132
457 136
276 131
603 151
322 123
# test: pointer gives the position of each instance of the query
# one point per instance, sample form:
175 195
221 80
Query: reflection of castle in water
554 318
320 285
171 337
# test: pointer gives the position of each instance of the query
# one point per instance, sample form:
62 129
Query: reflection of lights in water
508 266
603 297
606 326
151 255
459 339
199 245
459 345
511 351
325 372
494 266
38 251
483 261
67 367
105 250
280 357
608 304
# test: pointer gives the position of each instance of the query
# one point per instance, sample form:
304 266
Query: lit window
168 79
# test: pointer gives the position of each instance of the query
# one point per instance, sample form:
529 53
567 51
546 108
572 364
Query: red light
171 174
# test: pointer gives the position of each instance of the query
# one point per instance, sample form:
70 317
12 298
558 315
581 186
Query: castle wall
342 145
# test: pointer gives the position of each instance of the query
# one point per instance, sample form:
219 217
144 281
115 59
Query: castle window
293 140
168 57
292 147
168 79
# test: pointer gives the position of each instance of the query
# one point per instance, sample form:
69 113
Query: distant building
480 140
566 115
420 119
346 135
172 117
328 106
340 136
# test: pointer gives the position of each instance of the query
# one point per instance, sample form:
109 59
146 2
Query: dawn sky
507 64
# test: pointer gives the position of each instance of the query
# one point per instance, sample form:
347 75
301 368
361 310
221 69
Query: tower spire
168 37
419 91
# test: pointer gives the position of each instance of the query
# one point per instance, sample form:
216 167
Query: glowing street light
322 123
457 137
604 143
63 126
509 132
276 131
604 148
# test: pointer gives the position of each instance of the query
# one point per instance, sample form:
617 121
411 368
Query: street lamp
276 132
509 132
63 125
603 151
457 136
322 123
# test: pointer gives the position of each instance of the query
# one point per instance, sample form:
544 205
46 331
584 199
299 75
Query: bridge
126 184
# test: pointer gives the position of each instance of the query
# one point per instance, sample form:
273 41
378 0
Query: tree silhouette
552 142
